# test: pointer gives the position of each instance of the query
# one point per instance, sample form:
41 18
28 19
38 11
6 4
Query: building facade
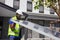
27 6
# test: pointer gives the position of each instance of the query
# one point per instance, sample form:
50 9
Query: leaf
36 2
36 7
49 0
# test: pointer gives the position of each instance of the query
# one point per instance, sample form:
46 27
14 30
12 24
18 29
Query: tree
55 4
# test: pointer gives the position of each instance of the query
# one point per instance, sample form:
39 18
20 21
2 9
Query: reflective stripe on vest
10 32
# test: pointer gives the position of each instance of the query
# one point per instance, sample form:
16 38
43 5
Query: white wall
23 5
9 3
33 10
46 10
55 13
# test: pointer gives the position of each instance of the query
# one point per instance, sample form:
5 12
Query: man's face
18 16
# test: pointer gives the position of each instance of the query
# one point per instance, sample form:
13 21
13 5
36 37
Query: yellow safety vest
10 32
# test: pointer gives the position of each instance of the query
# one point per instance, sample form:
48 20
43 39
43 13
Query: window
16 4
29 6
51 11
41 9
57 25
29 33
46 23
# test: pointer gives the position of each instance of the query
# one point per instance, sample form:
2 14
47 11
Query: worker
13 31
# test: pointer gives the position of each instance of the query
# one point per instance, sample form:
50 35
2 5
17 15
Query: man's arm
12 25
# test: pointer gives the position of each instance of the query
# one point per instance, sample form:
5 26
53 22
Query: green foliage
49 0
36 7
48 3
38 3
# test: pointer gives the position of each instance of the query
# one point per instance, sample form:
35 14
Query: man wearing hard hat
13 31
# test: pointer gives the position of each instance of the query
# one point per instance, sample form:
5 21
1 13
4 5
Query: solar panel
38 28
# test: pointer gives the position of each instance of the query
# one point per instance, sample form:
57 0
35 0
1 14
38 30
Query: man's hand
16 32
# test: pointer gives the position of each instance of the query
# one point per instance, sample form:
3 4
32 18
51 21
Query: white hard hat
19 12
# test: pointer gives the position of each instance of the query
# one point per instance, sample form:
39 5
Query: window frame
30 10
